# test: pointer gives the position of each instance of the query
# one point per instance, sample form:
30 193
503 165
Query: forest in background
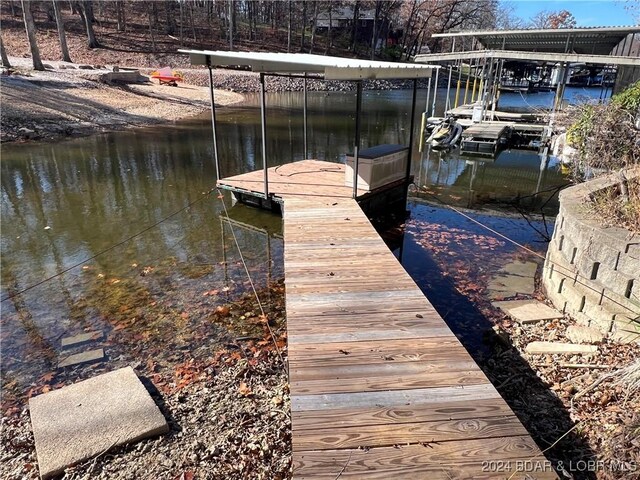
148 33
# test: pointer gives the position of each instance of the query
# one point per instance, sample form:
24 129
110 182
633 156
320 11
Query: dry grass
613 209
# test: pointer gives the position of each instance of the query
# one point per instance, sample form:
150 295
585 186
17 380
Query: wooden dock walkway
380 386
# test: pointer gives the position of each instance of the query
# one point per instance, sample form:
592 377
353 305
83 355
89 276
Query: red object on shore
166 76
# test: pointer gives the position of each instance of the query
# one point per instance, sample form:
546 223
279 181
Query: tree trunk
330 31
86 12
181 23
315 24
354 27
289 29
61 35
153 38
3 55
231 23
31 34
304 25
170 27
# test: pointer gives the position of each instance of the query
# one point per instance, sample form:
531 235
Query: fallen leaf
244 390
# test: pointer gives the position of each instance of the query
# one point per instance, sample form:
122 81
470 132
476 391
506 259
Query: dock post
304 113
466 86
263 124
455 104
411 129
435 94
356 150
447 102
213 120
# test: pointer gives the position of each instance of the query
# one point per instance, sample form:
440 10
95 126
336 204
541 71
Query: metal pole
448 100
455 104
213 121
304 113
356 150
435 94
426 105
411 128
466 86
263 116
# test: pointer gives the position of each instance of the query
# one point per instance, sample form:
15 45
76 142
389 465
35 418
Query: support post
304 112
213 121
466 86
411 129
448 100
435 94
263 124
356 150
455 103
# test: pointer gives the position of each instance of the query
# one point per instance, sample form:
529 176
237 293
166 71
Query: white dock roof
332 68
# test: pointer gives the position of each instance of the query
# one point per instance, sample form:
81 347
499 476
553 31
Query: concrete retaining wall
592 272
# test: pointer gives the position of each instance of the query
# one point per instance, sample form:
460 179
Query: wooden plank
422 462
371 363
463 407
416 396
411 433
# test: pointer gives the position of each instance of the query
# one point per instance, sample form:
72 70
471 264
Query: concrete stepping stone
83 420
582 334
81 339
528 311
512 284
542 348
89 356
522 269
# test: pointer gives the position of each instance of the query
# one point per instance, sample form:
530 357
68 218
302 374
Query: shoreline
70 101
67 102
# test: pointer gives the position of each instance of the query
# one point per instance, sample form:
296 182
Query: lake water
104 196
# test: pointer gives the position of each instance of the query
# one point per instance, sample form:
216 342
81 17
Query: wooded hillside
148 33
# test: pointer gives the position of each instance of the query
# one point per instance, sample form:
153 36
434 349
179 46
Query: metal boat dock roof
331 68
594 41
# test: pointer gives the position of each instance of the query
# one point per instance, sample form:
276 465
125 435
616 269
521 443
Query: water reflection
522 178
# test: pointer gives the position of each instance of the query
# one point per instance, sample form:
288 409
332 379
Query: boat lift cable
525 248
246 269
108 249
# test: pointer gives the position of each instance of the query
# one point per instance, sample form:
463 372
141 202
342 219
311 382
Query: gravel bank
71 102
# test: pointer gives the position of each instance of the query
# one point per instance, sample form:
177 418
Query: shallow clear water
103 195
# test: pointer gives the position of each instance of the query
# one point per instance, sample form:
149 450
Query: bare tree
304 25
61 35
315 26
354 26
3 55
551 19
31 35
289 28
85 9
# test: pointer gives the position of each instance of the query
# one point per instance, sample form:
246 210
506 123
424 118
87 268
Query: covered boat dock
380 386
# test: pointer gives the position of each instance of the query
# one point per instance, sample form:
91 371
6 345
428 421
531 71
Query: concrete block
582 334
81 339
528 311
79 421
89 356
543 348
512 284
629 265
523 269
